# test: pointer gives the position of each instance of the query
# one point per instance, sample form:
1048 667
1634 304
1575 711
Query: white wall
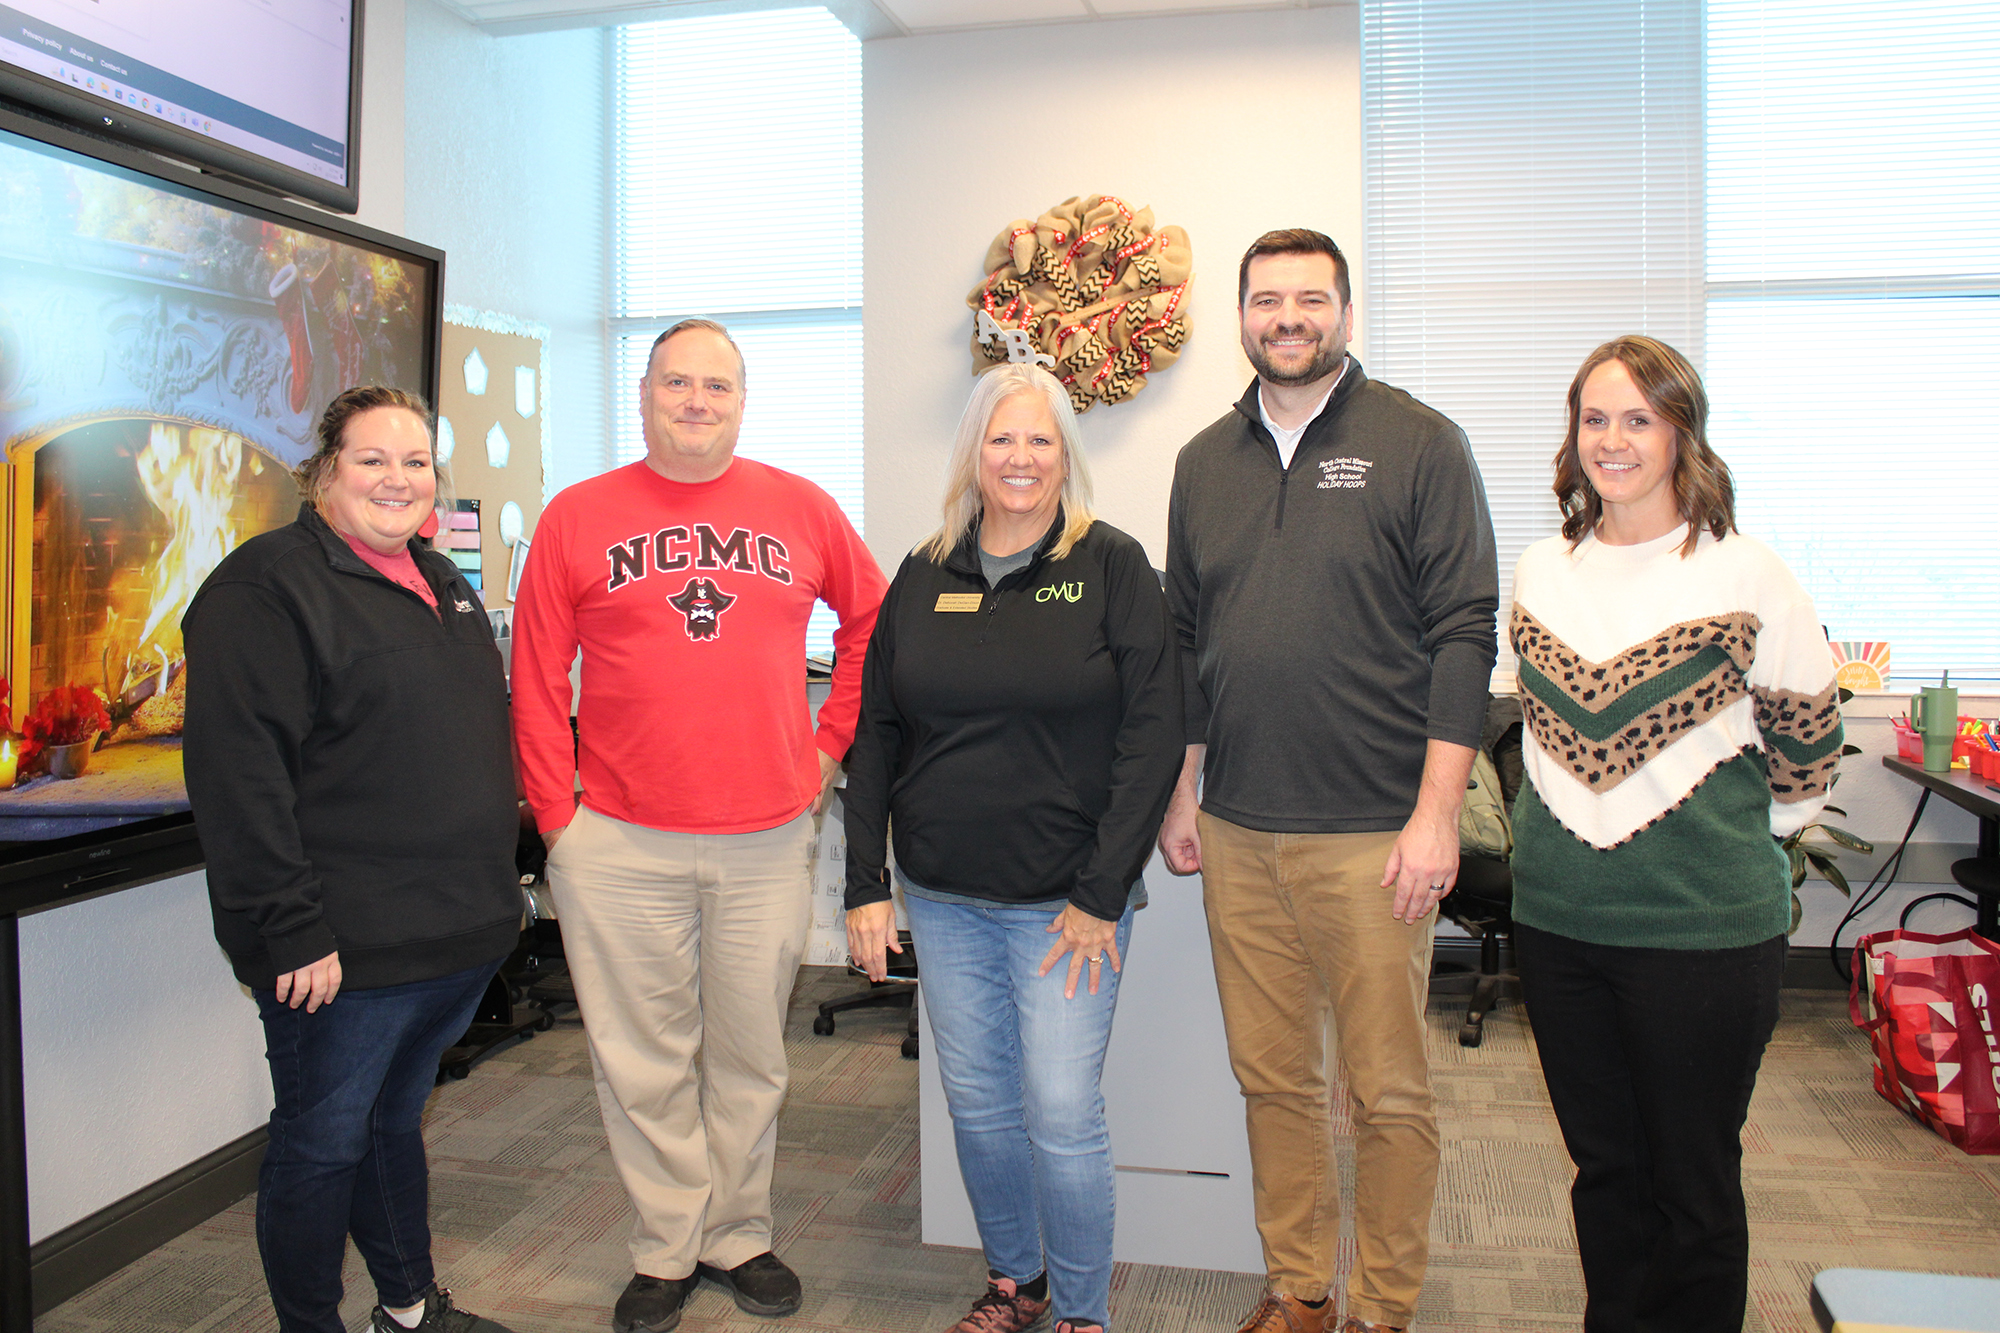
381 186
504 168
1227 125
142 1052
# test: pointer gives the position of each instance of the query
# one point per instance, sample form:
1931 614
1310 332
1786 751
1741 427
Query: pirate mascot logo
703 604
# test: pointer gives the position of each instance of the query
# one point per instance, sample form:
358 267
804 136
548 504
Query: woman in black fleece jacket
348 762
1021 720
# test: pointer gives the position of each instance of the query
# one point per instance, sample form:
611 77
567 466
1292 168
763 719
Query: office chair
899 991
1482 899
1481 902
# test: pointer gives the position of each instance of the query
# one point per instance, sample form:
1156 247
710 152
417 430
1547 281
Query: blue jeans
1020 1067
346 1154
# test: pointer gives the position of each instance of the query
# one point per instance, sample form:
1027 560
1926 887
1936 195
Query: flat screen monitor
266 91
165 353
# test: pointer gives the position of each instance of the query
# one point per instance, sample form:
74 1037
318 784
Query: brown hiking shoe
1356 1324
1003 1309
1281 1312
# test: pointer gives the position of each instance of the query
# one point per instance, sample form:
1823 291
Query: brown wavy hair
316 473
1702 487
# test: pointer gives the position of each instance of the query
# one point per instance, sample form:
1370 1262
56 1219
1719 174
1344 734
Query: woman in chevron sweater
1681 713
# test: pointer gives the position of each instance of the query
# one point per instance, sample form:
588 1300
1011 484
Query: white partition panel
1176 1116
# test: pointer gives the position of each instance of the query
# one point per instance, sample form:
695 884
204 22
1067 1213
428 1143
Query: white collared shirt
1288 440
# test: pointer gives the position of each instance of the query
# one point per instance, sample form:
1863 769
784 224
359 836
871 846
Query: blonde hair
963 503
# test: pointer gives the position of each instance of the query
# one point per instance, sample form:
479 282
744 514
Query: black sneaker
763 1285
440 1316
651 1304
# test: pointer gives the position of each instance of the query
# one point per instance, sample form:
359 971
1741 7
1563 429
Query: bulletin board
493 394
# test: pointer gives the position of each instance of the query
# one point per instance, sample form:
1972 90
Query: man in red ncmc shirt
682 876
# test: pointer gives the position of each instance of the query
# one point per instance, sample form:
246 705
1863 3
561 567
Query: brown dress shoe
1354 1324
1281 1312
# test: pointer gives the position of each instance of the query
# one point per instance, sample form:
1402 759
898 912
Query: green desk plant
1805 854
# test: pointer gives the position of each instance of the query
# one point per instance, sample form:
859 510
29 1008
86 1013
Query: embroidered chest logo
1060 592
1344 474
461 605
703 604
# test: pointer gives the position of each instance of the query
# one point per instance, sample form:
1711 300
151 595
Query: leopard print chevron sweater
1680 714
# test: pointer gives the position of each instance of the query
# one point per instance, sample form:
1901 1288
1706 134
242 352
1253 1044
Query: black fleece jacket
348 762
1027 746
1335 615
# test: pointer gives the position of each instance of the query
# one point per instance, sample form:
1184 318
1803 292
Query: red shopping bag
1929 1004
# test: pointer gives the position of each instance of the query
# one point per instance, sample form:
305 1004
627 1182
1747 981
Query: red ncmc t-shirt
689 603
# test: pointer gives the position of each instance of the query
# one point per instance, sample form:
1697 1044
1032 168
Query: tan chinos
1300 929
682 943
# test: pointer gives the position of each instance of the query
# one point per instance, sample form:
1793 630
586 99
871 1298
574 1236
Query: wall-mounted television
165 351
265 91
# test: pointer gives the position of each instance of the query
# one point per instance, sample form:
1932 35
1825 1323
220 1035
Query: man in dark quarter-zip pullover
1332 575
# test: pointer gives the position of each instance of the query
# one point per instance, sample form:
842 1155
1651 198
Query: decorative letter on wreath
1088 290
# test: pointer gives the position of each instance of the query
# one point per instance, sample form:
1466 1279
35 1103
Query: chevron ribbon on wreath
1089 290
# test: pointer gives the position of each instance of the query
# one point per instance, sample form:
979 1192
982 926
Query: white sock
409 1318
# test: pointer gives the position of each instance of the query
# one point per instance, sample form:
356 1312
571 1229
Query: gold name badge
958 601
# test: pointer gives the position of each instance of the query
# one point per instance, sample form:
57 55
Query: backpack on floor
1483 825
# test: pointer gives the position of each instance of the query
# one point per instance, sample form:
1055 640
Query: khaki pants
682 943
1300 927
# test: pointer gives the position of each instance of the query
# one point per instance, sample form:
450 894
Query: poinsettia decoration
65 715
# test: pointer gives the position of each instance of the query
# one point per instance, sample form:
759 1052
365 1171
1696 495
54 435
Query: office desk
1971 793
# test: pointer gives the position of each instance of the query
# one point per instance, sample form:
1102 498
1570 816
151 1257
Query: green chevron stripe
1803 752
1618 712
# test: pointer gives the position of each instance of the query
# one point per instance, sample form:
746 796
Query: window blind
737 197
1853 225
1533 188
739 163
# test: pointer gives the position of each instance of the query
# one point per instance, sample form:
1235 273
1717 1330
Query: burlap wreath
1088 290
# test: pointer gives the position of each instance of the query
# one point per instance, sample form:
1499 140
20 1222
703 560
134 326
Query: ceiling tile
927 15
1131 8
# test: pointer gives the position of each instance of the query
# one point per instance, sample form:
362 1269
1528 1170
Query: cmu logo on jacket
677 548
703 604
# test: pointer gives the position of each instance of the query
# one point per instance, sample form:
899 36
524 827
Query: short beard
1324 363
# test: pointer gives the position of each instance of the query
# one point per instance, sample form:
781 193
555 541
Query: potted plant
64 725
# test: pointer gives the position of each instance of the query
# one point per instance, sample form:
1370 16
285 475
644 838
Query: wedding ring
1098 959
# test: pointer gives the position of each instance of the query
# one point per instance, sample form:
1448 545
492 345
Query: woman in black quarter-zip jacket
348 762
1021 722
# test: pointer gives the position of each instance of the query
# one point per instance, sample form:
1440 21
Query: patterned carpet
530 1222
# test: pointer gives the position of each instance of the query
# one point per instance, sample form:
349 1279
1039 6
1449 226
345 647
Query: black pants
1650 1057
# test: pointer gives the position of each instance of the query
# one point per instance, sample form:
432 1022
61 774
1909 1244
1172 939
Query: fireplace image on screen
125 518
163 360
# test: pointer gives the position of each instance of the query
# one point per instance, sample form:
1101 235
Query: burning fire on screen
130 522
